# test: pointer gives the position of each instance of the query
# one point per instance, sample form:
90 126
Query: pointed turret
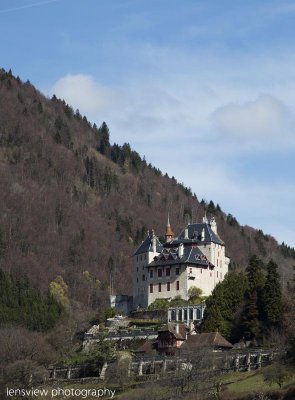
169 235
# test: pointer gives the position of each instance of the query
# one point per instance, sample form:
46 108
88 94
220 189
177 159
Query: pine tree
213 320
211 207
20 303
272 295
253 309
254 273
104 134
223 304
251 325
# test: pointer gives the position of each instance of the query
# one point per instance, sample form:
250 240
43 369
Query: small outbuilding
212 340
171 337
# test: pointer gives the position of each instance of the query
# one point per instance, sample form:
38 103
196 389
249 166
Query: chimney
154 243
203 235
180 250
186 233
213 225
205 219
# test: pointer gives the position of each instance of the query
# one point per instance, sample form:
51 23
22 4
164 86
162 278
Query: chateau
195 258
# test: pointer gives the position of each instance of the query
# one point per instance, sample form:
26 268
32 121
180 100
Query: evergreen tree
224 303
254 273
231 220
251 325
253 309
104 134
211 207
214 321
22 304
272 295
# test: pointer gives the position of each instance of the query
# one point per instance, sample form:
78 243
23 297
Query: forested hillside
73 205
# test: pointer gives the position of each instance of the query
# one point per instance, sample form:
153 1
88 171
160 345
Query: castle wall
172 279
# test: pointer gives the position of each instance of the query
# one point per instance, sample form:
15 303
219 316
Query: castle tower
169 235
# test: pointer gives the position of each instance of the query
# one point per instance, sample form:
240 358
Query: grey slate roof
195 233
147 244
191 255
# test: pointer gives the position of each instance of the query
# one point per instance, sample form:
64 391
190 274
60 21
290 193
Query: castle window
136 258
151 273
140 258
143 277
177 270
168 286
151 288
136 279
217 262
145 256
137 269
177 285
217 274
160 287
220 263
201 270
167 271
210 274
159 273
190 270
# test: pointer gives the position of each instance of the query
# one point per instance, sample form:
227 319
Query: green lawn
254 381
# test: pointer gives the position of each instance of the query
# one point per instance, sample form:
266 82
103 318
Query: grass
247 382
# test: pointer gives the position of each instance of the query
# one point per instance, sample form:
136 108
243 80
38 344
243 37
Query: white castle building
195 258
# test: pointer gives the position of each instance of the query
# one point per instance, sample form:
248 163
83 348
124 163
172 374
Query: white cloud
264 118
83 92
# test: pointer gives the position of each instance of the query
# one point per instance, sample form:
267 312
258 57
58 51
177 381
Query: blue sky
204 89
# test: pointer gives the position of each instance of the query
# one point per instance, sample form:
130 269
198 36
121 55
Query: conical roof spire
169 235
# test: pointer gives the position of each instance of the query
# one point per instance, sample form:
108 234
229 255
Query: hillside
72 204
